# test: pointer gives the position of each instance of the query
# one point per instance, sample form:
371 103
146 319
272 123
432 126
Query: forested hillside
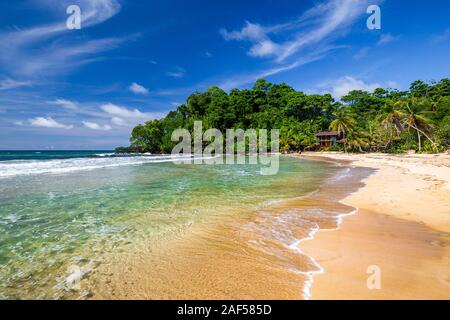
384 120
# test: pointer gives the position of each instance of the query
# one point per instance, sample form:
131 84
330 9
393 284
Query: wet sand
402 227
242 255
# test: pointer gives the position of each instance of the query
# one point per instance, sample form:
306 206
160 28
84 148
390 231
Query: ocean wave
272 233
32 167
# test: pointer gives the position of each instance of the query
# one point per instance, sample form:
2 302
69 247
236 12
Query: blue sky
136 60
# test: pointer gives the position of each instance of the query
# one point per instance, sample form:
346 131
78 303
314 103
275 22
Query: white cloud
251 31
43 49
96 126
242 79
123 116
98 11
361 53
177 73
60 57
258 35
78 108
67 104
320 23
18 123
264 48
344 85
123 112
7 84
118 121
138 89
235 81
386 38
48 123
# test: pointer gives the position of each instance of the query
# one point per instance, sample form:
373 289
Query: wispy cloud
386 38
122 116
239 80
321 23
67 104
7 84
119 122
178 72
75 108
342 86
228 82
93 11
48 123
57 58
92 113
361 53
96 126
138 89
43 50
123 111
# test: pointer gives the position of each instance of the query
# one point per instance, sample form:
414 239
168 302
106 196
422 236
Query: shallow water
244 253
64 213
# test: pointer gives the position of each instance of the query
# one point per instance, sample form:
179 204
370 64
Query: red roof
327 134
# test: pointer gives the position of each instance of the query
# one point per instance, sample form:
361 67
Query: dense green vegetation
382 120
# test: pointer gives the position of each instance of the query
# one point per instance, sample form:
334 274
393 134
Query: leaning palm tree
358 141
391 116
414 119
343 123
309 141
285 142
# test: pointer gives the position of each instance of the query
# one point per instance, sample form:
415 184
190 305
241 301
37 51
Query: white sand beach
402 226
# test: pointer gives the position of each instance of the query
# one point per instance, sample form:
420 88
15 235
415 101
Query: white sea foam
281 229
32 167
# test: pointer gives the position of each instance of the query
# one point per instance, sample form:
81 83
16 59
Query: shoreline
262 247
392 230
210 261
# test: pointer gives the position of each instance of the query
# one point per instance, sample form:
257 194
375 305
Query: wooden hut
329 139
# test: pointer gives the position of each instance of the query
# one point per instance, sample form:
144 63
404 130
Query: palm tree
343 123
412 118
391 116
309 142
285 142
358 141
287 139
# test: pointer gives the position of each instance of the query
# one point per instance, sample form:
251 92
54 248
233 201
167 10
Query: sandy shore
401 229
245 254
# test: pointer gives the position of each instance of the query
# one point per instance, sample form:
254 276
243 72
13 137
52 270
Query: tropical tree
358 141
413 118
343 123
391 116
383 120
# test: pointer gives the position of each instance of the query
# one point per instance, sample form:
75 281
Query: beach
146 228
401 228
96 225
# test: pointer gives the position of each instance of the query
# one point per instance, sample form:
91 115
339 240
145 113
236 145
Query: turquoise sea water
49 155
74 209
